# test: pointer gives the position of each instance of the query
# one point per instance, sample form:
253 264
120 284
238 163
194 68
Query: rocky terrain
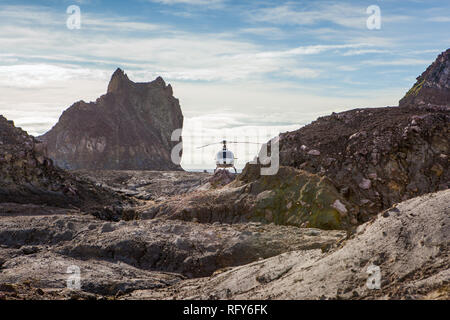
377 157
128 128
291 197
356 191
147 185
409 242
28 176
156 259
432 86
339 171
120 257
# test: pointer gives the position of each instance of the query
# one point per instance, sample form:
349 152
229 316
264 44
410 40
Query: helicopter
225 158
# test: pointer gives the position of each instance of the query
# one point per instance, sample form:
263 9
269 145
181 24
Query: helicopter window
225 155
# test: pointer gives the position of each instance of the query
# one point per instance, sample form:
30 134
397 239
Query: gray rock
402 245
136 255
314 152
365 184
339 206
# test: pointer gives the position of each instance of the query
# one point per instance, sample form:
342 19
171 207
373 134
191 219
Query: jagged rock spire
119 80
129 128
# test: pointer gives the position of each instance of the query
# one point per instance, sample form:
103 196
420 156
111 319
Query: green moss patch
295 197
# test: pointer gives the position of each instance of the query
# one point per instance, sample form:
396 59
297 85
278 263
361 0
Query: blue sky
241 69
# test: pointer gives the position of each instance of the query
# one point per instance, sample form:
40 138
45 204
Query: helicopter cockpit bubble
225 157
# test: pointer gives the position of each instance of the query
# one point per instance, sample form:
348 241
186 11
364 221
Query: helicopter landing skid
235 171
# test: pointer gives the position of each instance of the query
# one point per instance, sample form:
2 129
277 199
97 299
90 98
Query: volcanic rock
128 128
406 248
432 86
391 163
125 256
147 185
380 156
291 197
28 176
221 178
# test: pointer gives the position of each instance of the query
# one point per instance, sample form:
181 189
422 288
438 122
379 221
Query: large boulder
129 128
291 197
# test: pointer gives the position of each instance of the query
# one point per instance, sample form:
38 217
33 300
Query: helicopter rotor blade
227 142
248 142
210 144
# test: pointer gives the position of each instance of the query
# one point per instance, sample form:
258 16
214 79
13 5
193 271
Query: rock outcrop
120 257
380 156
129 128
148 185
377 156
291 197
432 86
28 176
406 248
221 178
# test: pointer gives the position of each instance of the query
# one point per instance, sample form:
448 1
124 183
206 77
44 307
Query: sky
243 70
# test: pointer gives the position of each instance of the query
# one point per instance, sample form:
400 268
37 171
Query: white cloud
439 19
346 68
267 32
39 75
302 73
398 62
341 14
120 24
26 15
22 17
209 3
174 54
178 55
45 68
363 51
